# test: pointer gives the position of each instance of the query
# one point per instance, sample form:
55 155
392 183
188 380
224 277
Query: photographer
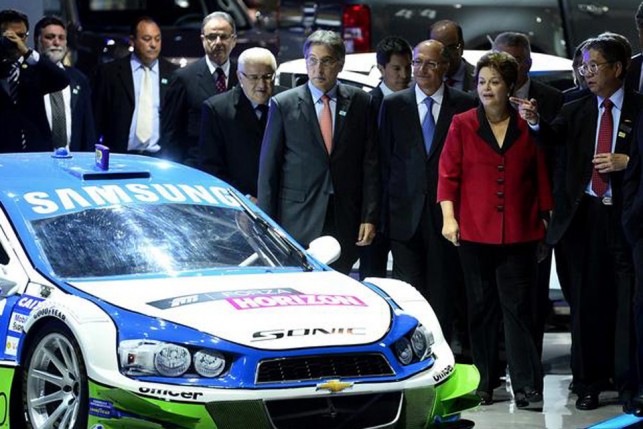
25 77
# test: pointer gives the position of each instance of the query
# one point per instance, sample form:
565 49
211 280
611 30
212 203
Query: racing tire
54 380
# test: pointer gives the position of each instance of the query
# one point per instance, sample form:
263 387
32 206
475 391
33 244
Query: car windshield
157 239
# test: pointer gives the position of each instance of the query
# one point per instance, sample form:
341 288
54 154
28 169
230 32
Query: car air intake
321 367
356 21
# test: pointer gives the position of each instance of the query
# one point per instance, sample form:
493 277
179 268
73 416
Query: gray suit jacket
297 176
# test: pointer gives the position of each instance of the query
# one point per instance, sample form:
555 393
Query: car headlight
208 363
150 357
404 351
421 342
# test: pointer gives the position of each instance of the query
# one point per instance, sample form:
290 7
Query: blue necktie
428 125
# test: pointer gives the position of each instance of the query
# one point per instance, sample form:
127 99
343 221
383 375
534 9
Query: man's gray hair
328 38
220 15
257 55
510 38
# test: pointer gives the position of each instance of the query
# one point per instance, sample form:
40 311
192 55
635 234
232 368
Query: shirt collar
616 98
385 89
137 63
436 96
213 66
317 93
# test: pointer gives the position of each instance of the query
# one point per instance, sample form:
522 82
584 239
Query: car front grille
334 412
320 367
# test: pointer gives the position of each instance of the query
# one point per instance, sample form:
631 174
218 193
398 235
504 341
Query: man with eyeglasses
597 133
213 74
413 127
460 73
319 171
25 77
233 123
130 94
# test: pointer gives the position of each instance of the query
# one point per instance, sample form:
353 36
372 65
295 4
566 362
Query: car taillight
356 21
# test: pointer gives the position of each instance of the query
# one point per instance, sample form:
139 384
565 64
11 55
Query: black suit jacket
83 128
114 101
189 88
633 188
230 141
469 83
409 176
634 73
297 175
575 128
29 113
377 96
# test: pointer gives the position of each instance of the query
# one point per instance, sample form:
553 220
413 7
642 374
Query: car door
589 18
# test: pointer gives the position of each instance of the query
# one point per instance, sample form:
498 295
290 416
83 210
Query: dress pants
638 311
601 285
500 280
349 255
431 264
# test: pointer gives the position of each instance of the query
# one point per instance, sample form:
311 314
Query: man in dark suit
394 56
633 227
634 79
550 101
192 85
319 169
421 256
130 92
586 222
460 73
75 129
25 77
233 123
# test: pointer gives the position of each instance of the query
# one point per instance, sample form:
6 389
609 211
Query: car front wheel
54 382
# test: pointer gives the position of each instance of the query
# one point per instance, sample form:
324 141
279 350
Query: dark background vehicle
554 26
98 30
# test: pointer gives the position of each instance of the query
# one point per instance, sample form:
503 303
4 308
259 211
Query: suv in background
98 30
554 26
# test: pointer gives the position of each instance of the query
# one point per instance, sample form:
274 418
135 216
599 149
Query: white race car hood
268 311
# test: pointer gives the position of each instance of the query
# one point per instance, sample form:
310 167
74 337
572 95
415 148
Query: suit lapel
126 78
307 109
74 89
245 111
343 104
205 79
628 115
511 136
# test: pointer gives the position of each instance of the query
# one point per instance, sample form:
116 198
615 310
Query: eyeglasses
591 68
212 37
324 62
254 78
431 65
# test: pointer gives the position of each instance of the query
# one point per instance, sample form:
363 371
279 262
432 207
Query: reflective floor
558 410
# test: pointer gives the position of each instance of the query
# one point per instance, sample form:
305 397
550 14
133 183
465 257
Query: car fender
93 328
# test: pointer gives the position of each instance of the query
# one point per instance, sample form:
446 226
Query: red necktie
326 123
221 85
604 145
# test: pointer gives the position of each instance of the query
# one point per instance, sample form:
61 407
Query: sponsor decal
266 301
17 322
49 311
100 408
73 199
334 386
180 301
165 393
3 303
11 346
277 334
442 374
27 303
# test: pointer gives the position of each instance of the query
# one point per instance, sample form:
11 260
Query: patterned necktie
14 84
326 123
144 117
600 181
263 115
58 119
428 125
220 83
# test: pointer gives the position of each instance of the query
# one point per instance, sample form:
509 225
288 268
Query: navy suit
29 114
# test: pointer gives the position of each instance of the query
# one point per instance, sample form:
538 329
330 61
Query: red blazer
499 194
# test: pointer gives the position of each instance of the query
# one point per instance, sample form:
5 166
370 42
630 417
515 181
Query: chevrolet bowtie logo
334 386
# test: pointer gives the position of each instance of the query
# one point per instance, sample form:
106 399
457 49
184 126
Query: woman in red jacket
494 192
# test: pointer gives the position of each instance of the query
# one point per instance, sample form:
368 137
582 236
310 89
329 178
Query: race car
140 293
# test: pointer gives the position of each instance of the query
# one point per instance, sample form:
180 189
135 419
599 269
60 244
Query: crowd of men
326 158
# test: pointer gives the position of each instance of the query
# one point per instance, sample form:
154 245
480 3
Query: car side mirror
325 249
7 288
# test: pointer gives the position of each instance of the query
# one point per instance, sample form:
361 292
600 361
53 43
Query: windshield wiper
275 233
